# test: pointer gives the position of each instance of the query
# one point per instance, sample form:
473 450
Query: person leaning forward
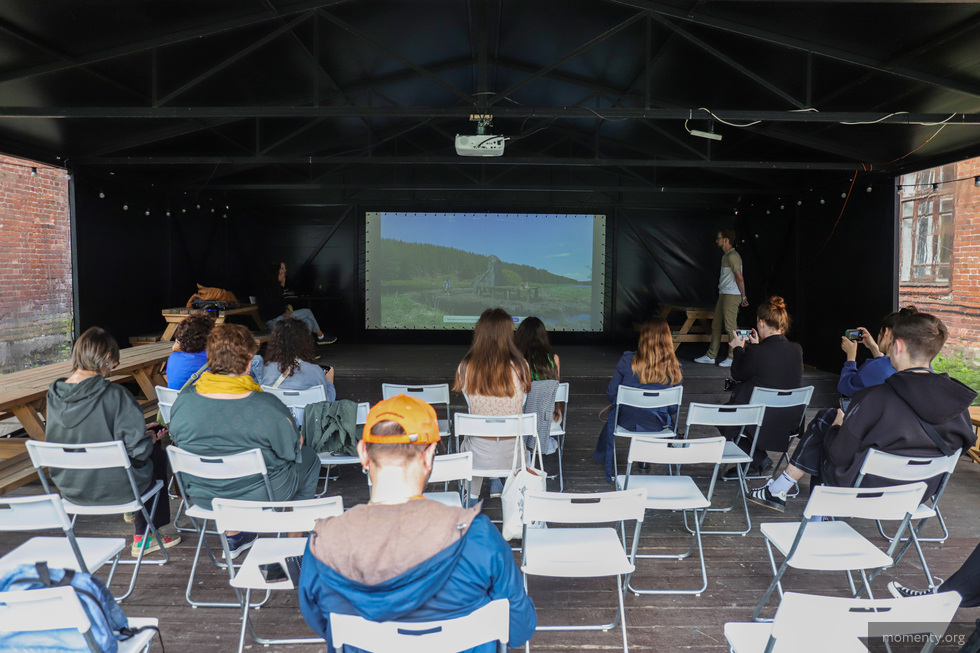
401 556
731 295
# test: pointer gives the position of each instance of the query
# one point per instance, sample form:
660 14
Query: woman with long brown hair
653 366
494 378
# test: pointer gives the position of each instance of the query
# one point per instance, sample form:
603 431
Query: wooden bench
175 316
974 451
697 326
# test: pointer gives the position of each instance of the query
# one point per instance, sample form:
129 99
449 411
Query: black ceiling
326 100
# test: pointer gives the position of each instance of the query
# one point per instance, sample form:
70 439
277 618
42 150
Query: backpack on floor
109 623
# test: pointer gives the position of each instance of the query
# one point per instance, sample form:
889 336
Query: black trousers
158 458
966 581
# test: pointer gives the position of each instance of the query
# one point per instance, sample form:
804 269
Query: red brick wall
959 303
35 274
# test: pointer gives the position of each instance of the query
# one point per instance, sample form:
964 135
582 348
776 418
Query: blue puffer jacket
476 569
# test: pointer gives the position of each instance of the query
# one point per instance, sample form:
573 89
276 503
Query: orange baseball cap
417 418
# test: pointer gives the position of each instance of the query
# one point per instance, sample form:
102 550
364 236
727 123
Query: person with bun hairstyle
766 359
914 413
653 366
876 369
495 379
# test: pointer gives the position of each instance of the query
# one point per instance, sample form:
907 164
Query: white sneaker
704 360
725 363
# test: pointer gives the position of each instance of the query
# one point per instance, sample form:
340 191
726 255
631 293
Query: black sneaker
241 542
731 473
902 592
762 469
326 339
764 497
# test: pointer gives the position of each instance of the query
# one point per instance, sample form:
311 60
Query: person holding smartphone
876 369
767 359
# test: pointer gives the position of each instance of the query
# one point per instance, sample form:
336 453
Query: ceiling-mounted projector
480 145
483 143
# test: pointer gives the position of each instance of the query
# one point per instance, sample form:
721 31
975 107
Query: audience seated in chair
895 417
86 407
403 557
531 338
188 354
876 369
226 412
289 361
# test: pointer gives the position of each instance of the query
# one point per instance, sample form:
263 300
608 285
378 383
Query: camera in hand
854 334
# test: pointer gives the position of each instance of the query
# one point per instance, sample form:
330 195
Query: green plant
962 370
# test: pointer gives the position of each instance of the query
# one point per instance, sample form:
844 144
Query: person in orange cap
401 556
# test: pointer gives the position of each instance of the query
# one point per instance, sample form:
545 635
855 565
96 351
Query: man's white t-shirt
730 263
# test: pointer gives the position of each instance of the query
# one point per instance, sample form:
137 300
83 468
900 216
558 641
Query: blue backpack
109 623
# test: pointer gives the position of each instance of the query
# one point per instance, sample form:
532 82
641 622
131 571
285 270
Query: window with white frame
926 227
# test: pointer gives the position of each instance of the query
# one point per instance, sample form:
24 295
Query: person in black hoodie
890 417
86 407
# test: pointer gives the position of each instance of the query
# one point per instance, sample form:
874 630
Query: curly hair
289 344
230 349
193 332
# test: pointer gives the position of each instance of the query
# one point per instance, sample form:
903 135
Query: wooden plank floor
738 567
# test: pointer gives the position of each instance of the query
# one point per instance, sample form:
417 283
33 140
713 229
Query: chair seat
575 552
331 459
115 508
444 428
56 551
446 498
626 433
827 546
753 637
265 550
923 512
139 641
492 473
199 512
667 492
733 454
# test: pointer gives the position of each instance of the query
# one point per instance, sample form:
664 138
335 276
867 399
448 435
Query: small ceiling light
198 206
868 189
767 211
212 210
799 202
935 186
148 212
711 136
101 195
843 196
823 201
183 210
782 207
34 172
167 214
125 207
224 215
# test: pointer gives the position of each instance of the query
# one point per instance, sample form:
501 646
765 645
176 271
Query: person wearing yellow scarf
223 383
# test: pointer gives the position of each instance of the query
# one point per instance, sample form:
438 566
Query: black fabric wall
131 265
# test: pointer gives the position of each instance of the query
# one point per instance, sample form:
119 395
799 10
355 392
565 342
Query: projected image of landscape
441 270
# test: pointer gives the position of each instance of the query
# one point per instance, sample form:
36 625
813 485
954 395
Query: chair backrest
724 415
776 398
165 401
49 608
885 503
437 393
91 455
495 426
363 409
562 394
452 467
225 466
585 508
271 516
640 398
490 623
36 512
676 452
297 400
801 620
903 468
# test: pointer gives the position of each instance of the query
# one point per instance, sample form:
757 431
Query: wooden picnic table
23 394
974 451
175 316
697 326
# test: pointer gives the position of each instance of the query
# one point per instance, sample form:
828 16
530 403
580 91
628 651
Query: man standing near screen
731 295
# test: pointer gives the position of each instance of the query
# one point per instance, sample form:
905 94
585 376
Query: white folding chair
59 608
581 552
269 517
490 623
433 394
102 455
214 467
805 622
835 545
647 400
452 467
558 430
47 512
743 417
297 400
494 426
327 460
796 398
907 470
165 401
673 492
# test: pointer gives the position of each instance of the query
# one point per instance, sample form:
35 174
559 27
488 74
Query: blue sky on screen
559 243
